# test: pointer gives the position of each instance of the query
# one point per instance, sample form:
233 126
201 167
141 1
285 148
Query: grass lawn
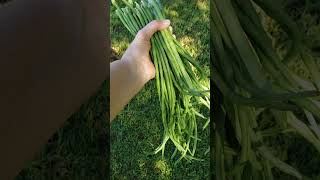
78 150
138 129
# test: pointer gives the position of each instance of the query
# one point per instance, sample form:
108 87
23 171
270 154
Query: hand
137 55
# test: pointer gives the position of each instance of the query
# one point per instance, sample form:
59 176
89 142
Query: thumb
151 28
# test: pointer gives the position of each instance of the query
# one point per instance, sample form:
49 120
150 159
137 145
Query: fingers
151 28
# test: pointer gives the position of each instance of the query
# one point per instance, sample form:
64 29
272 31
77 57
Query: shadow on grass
79 149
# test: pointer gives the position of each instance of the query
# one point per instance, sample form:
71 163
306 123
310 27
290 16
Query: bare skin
129 75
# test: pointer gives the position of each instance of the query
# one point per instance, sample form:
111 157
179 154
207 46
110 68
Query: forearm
125 83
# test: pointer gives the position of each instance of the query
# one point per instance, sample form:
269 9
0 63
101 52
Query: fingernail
166 22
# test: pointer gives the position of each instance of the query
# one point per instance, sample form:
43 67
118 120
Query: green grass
138 129
78 150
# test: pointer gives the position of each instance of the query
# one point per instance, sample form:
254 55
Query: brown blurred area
53 57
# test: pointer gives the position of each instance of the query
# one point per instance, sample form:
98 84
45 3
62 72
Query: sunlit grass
162 167
203 5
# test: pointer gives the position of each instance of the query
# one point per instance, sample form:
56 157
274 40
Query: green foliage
295 150
261 134
138 130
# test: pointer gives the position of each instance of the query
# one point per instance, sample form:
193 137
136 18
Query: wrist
136 72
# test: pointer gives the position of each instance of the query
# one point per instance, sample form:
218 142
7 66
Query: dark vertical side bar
53 57
108 167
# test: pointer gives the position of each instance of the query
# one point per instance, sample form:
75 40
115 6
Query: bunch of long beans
178 85
250 78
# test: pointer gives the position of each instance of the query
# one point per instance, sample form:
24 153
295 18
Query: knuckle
154 22
141 34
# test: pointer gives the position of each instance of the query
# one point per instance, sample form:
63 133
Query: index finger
156 25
